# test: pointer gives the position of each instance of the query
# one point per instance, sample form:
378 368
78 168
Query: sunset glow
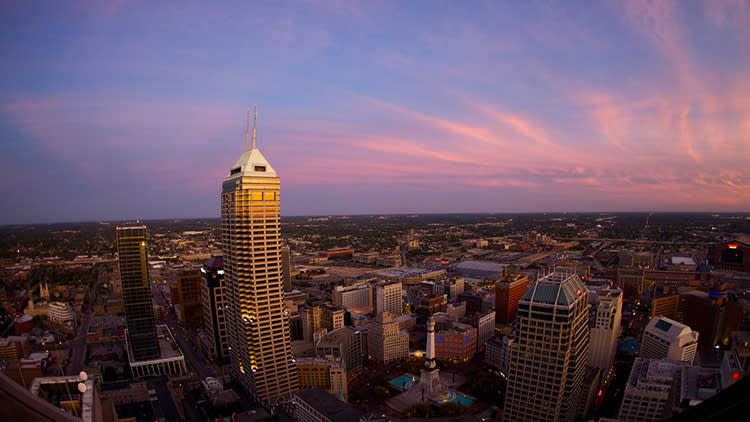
126 109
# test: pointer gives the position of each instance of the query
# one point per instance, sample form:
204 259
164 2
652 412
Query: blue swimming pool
404 382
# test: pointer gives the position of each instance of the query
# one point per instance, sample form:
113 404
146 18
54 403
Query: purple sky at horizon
116 110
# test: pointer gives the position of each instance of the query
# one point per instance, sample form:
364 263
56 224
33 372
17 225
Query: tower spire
255 117
247 131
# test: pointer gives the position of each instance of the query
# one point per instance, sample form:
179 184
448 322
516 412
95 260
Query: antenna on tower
255 117
247 131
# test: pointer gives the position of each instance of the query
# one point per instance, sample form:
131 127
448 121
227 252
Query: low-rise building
317 405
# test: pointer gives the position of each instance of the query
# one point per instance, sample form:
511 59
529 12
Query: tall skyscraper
136 292
257 321
548 362
605 329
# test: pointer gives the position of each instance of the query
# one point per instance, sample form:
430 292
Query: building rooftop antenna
255 117
247 132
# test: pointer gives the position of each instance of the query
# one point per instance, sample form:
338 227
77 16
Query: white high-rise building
605 329
650 390
257 320
548 361
664 338
355 296
389 298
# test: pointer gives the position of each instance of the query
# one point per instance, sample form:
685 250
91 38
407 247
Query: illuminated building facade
260 347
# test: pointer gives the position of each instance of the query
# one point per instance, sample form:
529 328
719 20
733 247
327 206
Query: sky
123 110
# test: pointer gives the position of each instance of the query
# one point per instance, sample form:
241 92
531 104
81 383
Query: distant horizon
140 109
145 220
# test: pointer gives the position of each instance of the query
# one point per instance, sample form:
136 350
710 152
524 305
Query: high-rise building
507 295
355 296
389 298
711 314
665 304
386 342
136 292
286 268
664 338
344 344
214 344
316 317
485 325
257 320
605 329
189 297
649 394
548 362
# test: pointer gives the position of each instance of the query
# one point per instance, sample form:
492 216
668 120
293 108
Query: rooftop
335 337
668 329
253 164
328 405
557 288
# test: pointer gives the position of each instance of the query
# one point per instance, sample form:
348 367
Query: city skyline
134 111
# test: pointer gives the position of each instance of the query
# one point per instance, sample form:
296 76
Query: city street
193 357
78 345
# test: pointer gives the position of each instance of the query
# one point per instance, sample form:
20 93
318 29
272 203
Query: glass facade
136 292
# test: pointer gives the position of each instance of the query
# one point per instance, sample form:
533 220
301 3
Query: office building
317 405
485 325
343 344
14 347
61 316
548 361
286 268
136 292
316 317
214 344
507 295
188 298
171 361
650 393
389 298
665 304
605 329
497 352
329 374
473 299
385 341
664 338
355 296
257 320
456 342
711 314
